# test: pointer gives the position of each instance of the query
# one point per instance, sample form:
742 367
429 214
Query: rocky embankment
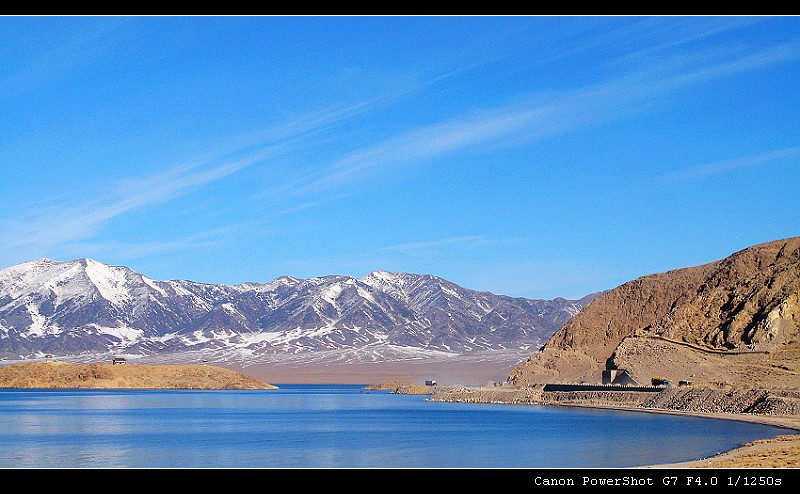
414 389
60 375
688 400
517 396
748 401
386 386
400 388
536 395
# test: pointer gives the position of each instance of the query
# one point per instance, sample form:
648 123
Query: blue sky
527 156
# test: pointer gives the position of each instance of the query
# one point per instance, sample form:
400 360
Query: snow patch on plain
123 333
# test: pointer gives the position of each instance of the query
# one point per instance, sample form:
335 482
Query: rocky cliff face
731 322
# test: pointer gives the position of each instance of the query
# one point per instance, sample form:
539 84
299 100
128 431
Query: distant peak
381 277
382 274
87 262
287 280
46 262
83 261
388 275
42 262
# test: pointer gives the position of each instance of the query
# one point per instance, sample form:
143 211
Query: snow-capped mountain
84 306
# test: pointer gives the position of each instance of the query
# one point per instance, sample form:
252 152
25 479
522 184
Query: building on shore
618 376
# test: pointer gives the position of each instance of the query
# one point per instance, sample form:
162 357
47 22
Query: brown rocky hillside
129 376
733 322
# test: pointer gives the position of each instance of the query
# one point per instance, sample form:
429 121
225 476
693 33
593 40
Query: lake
338 426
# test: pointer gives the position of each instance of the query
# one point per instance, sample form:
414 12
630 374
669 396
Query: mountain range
85 307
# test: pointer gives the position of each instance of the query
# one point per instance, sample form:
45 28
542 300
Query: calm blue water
334 426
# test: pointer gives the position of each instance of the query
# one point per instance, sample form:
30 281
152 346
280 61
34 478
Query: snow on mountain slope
85 306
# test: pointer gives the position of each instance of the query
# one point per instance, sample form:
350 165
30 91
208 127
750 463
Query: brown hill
108 376
733 322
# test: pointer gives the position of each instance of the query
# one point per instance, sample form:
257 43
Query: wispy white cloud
658 35
80 48
734 64
462 242
69 221
762 159
134 250
535 117
307 205
528 119
421 145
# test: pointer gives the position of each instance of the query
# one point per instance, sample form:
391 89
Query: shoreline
782 451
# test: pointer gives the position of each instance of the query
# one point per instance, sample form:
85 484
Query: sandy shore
779 452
